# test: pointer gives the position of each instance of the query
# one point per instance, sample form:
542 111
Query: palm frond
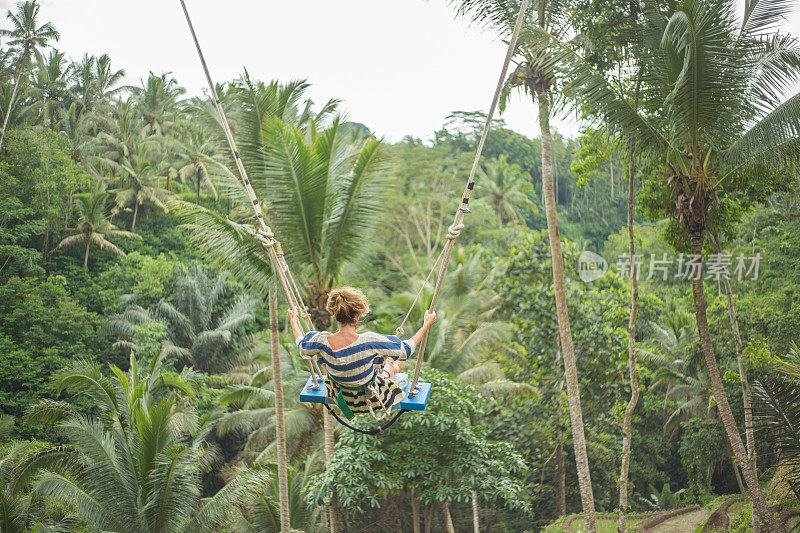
774 140
219 510
761 16
6 425
357 194
228 244
47 413
776 411
91 509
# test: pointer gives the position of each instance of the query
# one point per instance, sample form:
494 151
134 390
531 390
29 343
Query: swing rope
263 232
454 231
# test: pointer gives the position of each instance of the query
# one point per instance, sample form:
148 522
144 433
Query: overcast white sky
401 66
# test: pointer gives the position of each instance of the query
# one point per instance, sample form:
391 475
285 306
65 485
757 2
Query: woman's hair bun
347 304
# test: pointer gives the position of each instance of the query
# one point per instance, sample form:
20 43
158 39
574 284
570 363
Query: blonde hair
347 305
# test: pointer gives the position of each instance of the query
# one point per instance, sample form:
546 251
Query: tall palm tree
94 225
50 87
744 382
506 187
158 101
532 76
136 466
140 180
96 83
713 120
25 37
198 160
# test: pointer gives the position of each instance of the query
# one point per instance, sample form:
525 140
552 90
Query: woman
360 367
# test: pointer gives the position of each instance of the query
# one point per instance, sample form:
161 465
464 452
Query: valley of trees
149 381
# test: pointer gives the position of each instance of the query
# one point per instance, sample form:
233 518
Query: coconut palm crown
94 225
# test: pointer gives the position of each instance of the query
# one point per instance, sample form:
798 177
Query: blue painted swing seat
417 403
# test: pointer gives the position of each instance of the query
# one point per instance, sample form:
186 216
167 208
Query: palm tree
670 354
140 180
124 133
326 194
747 394
94 225
255 413
326 188
712 120
198 160
158 101
83 144
264 515
77 127
506 187
50 87
96 82
136 466
19 464
200 331
532 76
467 328
25 37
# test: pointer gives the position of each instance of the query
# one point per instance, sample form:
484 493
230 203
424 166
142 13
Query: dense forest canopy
149 381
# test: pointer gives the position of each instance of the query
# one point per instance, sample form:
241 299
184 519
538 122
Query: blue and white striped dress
359 364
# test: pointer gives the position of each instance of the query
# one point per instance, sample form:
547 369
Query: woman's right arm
427 322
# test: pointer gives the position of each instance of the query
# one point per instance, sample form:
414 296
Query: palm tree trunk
135 212
448 520
86 255
729 423
330 444
632 370
280 422
10 105
197 196
565 334
69 209
561 471
739 481
746 393
476 517
611 167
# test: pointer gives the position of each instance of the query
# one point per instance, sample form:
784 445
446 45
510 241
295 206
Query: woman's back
354 363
